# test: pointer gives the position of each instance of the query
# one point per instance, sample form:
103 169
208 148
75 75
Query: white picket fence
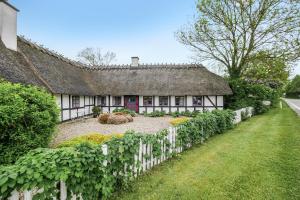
144 157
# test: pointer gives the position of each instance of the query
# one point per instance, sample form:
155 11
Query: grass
259 159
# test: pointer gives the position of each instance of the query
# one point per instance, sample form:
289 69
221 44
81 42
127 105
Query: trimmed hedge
28 116
83 167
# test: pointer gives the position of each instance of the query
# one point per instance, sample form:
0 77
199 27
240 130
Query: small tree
293 88
230 32
264 68
28 116
95 57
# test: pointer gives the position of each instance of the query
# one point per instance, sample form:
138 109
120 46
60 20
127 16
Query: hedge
28 116
83 167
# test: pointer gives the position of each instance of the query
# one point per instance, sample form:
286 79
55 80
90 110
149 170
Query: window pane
179 101
75 101
163 101
147 101
197 101
101 101
117 101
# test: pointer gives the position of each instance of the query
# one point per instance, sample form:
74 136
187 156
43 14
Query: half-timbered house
78 88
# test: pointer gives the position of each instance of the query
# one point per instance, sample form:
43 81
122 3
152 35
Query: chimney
135 61
8 25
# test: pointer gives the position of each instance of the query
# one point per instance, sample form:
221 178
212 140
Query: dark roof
14 68
64 76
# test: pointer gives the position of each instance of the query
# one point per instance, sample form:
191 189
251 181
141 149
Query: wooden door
132 103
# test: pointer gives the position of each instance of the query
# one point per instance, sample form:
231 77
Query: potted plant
96 111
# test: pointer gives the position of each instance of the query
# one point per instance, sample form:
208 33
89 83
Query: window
101 100
179 101
117 101
163 101
147 100
197 101
75 101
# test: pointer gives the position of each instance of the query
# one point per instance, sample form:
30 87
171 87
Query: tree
293 88
95 57
263 68
230 32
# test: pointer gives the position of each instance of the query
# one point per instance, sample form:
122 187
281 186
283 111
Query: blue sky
143 28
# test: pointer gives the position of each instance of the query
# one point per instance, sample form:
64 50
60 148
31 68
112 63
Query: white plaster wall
207 102
8 26
189 101
141 101
156 101
220 101
65 101
172 100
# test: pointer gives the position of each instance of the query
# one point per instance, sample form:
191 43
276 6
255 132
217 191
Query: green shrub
155 114
250 94
175 114
185 113
96 111
28 116
204 126
125 110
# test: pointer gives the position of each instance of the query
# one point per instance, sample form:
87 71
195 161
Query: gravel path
81 127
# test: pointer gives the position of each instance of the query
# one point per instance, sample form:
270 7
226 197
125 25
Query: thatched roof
63 76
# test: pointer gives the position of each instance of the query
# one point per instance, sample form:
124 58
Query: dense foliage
28 116
268 70
204 126
293 88
96 111
250 94
88 171
92 138
154 114
125 111
185 113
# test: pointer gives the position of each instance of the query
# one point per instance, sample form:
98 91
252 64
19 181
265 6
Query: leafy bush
185 113
28 116
293 88
179 120
92 138
250 94
155 114
96 111
124 110
204 125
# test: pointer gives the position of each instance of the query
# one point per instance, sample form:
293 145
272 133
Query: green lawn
259 159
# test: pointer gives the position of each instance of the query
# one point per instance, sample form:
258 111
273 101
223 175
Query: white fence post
14 195
144 159
27 195
63 190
